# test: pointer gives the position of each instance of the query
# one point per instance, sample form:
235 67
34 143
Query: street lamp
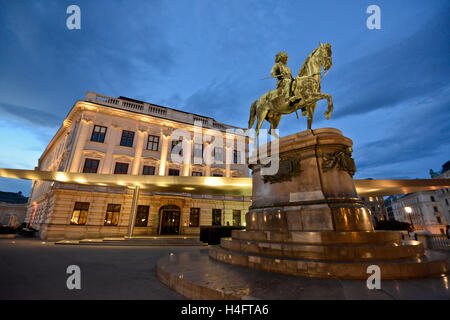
408 210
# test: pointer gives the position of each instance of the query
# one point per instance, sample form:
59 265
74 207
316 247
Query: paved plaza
33 269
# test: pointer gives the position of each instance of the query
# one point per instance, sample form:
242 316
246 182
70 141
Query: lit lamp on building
408 210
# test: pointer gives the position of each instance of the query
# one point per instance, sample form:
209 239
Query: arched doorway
169 222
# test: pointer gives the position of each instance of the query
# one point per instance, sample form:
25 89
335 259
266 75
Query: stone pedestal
307 219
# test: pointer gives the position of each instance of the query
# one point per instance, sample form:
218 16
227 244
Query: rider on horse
283 74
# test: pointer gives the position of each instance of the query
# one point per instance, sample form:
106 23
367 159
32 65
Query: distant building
426 211
377 208
13 208
125 136
12 197
444 194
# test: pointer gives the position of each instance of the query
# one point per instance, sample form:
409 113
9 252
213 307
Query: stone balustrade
155 110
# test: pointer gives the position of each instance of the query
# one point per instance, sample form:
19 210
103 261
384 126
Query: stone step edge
360 265
331 245
417 250
339 237
193 290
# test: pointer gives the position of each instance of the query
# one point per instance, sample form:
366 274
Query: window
218 154
121 168
216 217
153 143
174 172
194 218
446 202
439 220
148 170
127 138
196 174
142 216
90 166
435 209
236 157
79 214
175 143
198 150
236 218
217 175
432 199
112 215
98 134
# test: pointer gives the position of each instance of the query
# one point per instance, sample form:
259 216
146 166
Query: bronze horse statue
304 92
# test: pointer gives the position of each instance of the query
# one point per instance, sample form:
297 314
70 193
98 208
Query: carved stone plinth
307 219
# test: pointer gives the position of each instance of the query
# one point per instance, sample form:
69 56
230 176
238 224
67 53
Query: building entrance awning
213 185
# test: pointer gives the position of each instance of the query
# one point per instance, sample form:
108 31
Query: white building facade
104 135
426 211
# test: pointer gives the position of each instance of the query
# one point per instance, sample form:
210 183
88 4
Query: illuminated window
112 215
216 217
197 174
153 143
174 172
127 138
194 218
98 134
148 170
79 214
121 168
236 218
142 216
90 166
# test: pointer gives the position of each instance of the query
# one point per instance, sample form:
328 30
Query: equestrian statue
303 92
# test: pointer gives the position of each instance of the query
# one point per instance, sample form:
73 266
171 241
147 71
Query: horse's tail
252 118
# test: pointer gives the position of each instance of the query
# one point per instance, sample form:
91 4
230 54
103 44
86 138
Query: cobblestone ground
32 269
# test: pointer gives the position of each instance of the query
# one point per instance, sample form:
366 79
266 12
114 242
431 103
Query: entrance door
170 220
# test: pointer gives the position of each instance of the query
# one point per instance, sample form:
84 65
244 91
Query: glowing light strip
212 185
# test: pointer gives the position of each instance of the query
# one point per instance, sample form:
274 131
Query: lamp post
408 210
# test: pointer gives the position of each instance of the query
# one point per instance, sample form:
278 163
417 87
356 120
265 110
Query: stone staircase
166 241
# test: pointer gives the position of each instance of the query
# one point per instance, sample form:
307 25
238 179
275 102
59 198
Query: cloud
411 68
33 116
411 138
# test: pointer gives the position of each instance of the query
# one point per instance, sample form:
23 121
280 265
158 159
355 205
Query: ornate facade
104 135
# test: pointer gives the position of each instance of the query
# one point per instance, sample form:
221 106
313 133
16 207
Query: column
228 160
187 152
164 151
133 211
112 140
83 133
138 152
207 157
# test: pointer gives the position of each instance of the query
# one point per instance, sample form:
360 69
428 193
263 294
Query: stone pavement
197 276
33 269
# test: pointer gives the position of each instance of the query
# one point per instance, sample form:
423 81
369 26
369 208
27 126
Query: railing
151 109
157 110
438 242
204 121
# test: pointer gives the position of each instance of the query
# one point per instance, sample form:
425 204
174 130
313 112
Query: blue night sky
390 87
